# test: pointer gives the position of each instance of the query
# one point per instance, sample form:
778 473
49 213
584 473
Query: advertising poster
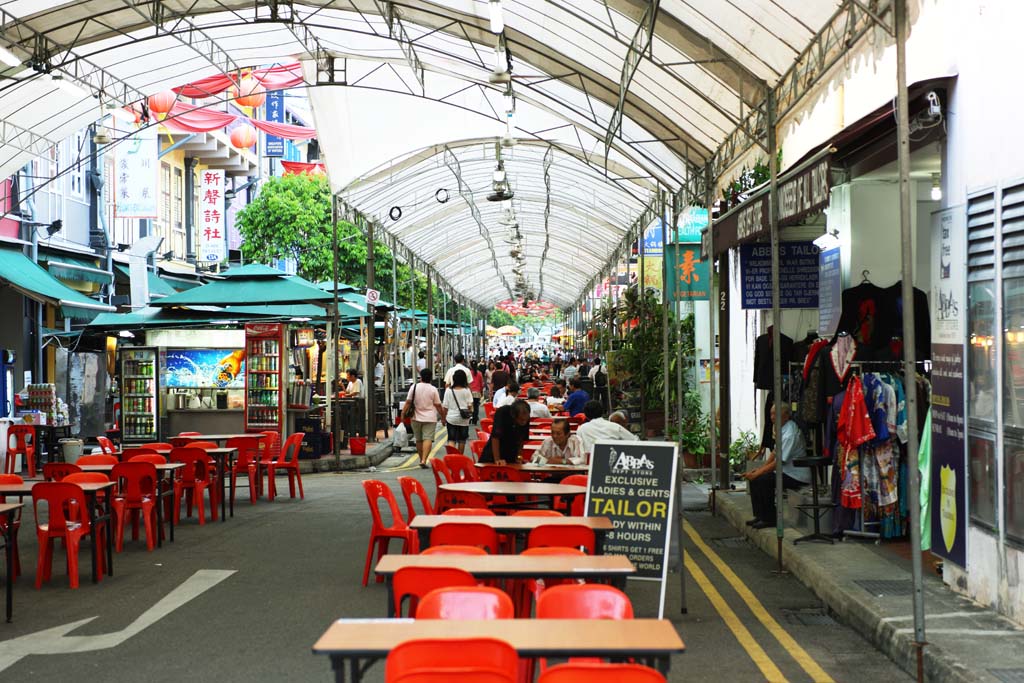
653 244
274 146
633 484
688 276
205 368
691 222
798 275
948 481
135 183
653 276
830 291
211 216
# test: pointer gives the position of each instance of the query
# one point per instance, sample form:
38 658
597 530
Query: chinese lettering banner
211 216
687 277
135 181
275 114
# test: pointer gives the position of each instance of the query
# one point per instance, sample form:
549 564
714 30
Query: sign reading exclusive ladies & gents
633 484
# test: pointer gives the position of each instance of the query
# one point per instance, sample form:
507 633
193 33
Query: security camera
934 105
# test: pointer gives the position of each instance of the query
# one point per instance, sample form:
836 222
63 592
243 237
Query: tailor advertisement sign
798 275
948 481
633 483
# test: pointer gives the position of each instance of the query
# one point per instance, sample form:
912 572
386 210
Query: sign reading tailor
633 484
211 216
830 291
948 500
798 275
275 114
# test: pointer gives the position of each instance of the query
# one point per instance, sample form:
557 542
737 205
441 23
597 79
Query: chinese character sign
687 277
275 114
135 177
653 244
211 216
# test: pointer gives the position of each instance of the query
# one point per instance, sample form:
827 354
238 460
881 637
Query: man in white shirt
378 374
596 428
510 395
421 362
561 448
598 367
460 361
570 370
355 385
538 408
762 480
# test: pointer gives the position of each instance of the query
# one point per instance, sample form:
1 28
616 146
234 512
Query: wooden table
95 516
7 511
612 568
362 642
512 524
541 471
220 437
516 488
166 473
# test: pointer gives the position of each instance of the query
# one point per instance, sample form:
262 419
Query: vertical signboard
274 146
211 216
633 484
691 273
830 291
135 182
948 471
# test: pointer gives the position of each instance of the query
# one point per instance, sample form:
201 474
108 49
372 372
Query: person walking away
460 364
457 401
421 362
538 408
577 399
476 387
499 379
426 410
510 431
762 479
596 428
561 448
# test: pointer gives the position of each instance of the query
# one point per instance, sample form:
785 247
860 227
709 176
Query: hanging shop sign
801 194
830 291
211 216
692 221
274 146
653 243
633 484
798 275
135 183
687 275
948 467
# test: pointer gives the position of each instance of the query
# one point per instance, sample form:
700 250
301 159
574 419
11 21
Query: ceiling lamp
500 75
829 240
497 21
68 86
9 58
162 102
243 137
250 92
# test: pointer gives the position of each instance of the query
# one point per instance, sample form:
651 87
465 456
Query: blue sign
653 244
798 275
275 114
691 222
830 291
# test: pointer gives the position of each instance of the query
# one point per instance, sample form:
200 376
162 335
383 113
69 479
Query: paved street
250 597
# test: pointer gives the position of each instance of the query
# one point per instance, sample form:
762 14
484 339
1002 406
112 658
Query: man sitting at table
355 385
596 428
577 399
538 408
561 448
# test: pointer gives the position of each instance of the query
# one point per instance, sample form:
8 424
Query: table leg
662 665
8 558
599 542
91 504
619 582
223 503
231 468
424 535
338 664
110 536
390 611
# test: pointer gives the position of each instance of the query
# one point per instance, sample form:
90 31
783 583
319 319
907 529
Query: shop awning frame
34 282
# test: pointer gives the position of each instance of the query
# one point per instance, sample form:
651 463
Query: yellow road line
787 641
743 636
412 462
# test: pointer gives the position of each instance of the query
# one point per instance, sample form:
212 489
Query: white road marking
56 641
941 615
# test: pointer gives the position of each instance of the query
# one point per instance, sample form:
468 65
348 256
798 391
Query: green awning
357 299
250 285
76 269
34 282
157 285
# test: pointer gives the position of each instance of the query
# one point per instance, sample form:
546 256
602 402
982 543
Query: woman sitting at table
561 448
511 429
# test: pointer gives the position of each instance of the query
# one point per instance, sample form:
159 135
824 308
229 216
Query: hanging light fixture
497 20
936 187
9 58
500 74
68 86
828 240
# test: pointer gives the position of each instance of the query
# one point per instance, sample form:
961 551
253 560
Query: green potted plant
743 449
695 437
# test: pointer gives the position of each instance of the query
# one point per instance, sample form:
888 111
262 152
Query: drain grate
731 542
1008 675
886 586
808 616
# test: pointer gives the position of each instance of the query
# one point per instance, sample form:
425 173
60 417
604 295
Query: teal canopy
33 281
158 286
252 285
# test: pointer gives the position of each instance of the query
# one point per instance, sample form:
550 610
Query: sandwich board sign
633 483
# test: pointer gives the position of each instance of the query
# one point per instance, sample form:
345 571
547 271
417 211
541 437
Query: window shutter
981 224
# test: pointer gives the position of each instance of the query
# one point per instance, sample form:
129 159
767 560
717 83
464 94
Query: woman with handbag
423 407
476 387
458 402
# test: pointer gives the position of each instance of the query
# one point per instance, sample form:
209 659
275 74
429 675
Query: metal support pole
712 313
369 351
665 303
641 292
773 225
398 373
430 321
415 323
909 333
332 340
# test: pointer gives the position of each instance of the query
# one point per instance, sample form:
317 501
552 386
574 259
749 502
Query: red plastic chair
523 591
574 505
466 603
465 533
381 535
562 536
584 601
190 433
198 476
449 449
477 448
24 438
271 452
245 463
87 478
106 445
179 442
415 582
158 446
489 410
67 519
289 463
537 513
151 458
502 473
486 424
468 512
135 494
412 487
200 444
15 555
600 672
97 459
461 468
458 499
440 471
452 660
454 550
129 453
56 471
578 418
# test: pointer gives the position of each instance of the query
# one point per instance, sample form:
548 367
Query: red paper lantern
243 137
250 92
162 102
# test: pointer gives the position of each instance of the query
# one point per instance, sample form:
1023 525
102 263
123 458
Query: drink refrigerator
140 410
264 377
